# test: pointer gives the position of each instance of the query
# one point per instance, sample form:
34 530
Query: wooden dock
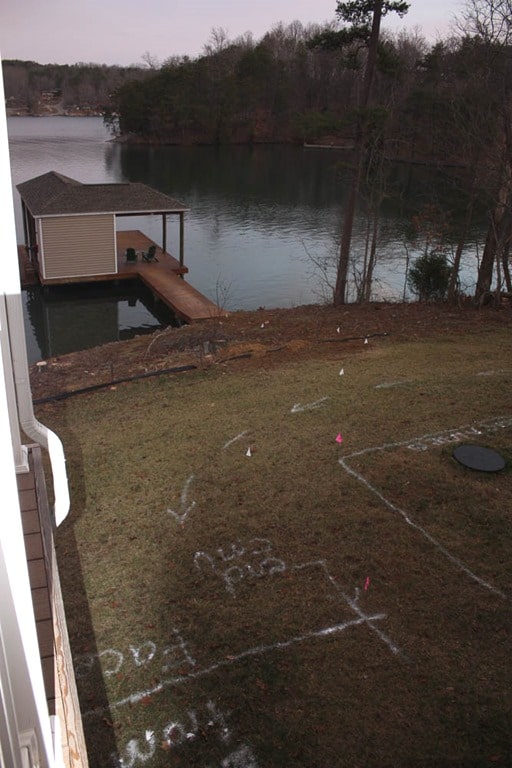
163 277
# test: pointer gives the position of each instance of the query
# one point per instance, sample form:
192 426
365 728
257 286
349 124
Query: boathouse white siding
77 246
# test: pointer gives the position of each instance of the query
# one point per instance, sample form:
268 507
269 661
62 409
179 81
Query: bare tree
217 42
490 21
150 61
365 17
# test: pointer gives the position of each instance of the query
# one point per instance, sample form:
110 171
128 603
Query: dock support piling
182 239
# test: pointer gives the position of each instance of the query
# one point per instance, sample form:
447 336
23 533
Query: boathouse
71 229
72 236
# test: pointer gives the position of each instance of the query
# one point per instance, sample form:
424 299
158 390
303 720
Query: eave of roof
53 194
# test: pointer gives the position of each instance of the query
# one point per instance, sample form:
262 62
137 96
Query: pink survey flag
339 438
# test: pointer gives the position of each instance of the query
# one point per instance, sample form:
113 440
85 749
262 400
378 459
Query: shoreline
260 338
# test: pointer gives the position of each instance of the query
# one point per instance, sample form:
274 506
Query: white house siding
78 246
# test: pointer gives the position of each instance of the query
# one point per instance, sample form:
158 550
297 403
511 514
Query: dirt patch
307 332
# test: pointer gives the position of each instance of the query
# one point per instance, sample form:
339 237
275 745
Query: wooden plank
133 238
162 278
183 298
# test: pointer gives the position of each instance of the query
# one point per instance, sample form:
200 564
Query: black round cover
479 458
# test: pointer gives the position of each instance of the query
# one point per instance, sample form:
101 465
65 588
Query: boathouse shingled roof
54 194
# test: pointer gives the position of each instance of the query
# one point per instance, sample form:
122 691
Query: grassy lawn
313 603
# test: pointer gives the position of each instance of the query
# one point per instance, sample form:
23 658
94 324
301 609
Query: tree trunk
340 290
452 287
373 258
506 267
498 238
485 269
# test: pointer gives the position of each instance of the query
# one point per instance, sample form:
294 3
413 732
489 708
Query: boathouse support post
182 240
25 228
164 232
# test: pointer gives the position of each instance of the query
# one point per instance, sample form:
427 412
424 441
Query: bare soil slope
258 338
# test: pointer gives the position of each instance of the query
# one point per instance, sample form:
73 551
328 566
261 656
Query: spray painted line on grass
182 515
235 439
444 437
300 408
353 603
421 444
407 519
185 508
360 618
136 698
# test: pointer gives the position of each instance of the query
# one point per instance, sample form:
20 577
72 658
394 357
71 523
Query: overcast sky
122 31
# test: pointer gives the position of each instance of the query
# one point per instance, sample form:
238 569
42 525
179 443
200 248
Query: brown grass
199 634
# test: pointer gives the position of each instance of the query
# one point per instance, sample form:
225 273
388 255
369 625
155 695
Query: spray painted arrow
185 508
298 408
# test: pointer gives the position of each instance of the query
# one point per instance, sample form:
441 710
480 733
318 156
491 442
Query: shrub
429 276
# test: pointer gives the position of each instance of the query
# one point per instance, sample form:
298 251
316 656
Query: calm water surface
259 219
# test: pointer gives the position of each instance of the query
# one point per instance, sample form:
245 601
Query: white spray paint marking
435 439
259 650
352 603
335 629
112 662
186 729
136 752
185 507
235 439
243 757
498 372
176 655
298 408
234 550
447 554
390 384
251 561
116 658
144 654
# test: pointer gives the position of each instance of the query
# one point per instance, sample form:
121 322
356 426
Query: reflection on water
260 218
63 319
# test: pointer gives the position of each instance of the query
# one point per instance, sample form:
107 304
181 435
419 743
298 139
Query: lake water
260 219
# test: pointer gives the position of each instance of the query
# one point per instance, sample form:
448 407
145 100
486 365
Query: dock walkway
163 277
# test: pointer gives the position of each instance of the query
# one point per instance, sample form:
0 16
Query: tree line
281 88
35 89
